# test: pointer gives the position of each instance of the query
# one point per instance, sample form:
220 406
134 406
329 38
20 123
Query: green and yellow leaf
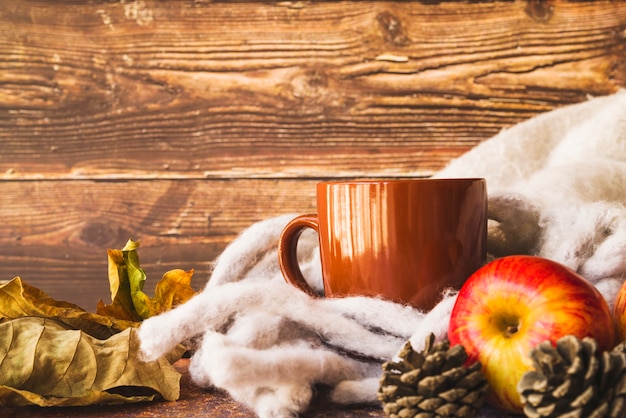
126 282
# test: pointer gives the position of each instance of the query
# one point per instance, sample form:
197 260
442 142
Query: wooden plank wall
180 123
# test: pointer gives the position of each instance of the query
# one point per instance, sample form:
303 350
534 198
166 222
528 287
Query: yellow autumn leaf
44 362
54 353
18 299
126 282
121 306
173 289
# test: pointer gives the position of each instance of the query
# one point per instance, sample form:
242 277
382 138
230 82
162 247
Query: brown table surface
198 402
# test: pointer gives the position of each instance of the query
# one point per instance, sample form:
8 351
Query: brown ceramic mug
403 240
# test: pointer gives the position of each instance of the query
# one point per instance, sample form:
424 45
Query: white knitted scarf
557 188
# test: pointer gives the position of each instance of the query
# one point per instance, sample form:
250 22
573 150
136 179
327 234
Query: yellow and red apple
512 304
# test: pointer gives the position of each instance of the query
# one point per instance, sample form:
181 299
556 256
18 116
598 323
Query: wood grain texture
55 234
181 123
151 89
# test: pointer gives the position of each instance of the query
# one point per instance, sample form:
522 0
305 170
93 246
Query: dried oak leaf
43 362
126 282
18 299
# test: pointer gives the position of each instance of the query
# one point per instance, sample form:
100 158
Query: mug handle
288 251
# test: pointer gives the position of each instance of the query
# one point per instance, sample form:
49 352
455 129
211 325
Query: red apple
619 313
514 303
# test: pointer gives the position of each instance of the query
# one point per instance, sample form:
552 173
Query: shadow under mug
402 240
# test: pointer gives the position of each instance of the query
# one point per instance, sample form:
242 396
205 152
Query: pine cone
574 379
431 383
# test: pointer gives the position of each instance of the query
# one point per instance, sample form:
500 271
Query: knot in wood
392 29
311 84
316 79
540 10
312 89
100 234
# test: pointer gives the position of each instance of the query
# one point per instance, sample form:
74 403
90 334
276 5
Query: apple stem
511 330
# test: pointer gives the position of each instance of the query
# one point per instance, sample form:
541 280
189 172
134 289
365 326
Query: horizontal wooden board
55 235
181 123
206 89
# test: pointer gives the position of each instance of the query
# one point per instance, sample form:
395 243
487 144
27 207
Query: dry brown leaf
18 299
44 362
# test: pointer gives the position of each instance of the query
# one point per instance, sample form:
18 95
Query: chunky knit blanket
557 188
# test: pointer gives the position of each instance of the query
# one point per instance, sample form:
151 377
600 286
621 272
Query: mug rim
403 180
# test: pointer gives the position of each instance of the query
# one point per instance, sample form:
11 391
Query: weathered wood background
180 123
